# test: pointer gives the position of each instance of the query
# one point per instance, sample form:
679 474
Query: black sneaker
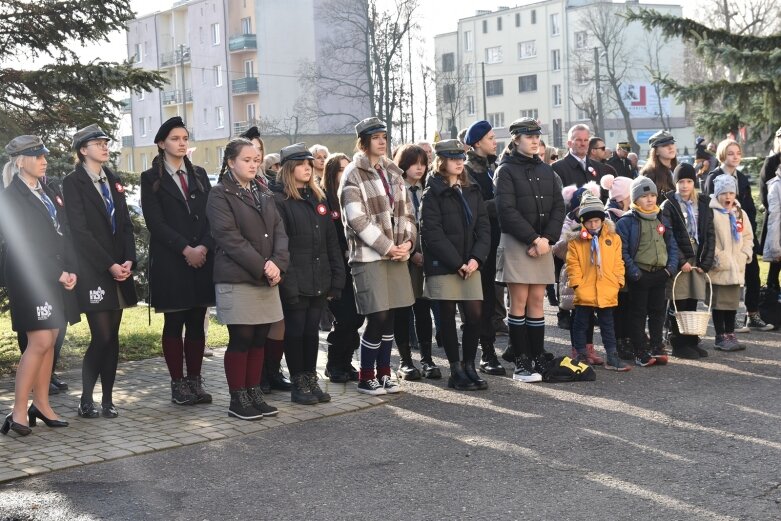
259 403
315 389
524 371
755 322
372 387
196 387
241 406
181 393
430 369
644 359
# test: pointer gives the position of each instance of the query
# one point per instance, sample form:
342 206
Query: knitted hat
684 171
476 132
618 187
724 183
590 207
641 186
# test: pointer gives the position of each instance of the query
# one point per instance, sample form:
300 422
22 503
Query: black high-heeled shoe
18 428
33 414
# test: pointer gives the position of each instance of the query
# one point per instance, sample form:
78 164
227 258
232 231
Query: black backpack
565 369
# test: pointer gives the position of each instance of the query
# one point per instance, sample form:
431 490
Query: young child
618 195
596 273
650 259
734 249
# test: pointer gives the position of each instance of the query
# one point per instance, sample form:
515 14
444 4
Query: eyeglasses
99 144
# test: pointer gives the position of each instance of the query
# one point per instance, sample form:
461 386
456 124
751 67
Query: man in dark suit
620 162
597 154
575 168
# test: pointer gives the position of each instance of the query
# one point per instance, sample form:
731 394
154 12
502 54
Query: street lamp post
600 115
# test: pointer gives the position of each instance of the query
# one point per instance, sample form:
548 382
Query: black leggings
302 334
423 325
102 356
724 321
190 321
472 312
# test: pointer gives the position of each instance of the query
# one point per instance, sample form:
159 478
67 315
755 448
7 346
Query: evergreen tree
751 99
65 93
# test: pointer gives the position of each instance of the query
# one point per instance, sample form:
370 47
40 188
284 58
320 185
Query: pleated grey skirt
248 304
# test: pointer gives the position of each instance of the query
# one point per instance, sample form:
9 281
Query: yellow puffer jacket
592 287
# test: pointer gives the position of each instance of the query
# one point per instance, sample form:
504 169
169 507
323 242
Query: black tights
242 337
190 321
102 356
302 334
472 312
423 325
378 325
724 321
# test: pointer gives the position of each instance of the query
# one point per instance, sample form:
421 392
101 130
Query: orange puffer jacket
594 287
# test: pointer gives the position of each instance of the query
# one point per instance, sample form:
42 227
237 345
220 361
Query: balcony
127 141
124 105
173 97
240 127
169 59
242 42
244 86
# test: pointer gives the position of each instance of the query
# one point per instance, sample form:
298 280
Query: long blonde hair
287 180
11 169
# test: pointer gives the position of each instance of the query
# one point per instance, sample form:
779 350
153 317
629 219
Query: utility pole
600 117
184 91
411 90
485 110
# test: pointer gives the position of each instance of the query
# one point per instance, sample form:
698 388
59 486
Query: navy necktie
415 201
109 203
467 211
49 207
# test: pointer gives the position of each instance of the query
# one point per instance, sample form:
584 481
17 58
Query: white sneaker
524 371
371 387
389 385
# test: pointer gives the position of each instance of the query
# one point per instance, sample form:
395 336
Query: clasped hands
195 257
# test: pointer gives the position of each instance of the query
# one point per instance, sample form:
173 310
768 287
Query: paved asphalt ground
693 440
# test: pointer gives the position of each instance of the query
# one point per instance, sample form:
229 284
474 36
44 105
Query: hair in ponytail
232 151
11 169
160 160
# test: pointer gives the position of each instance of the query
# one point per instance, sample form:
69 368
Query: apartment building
228 65
537 60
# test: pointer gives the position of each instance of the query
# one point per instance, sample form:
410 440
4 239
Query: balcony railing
242 42
244 85
181 55
171 97
124 105
127 141
242 126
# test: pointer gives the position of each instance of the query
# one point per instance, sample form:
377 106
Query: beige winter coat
731 257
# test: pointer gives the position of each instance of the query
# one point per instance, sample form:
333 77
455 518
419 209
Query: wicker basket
693 322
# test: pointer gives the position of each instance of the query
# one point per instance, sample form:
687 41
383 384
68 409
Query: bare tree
428 78
452 84
655 44
583 91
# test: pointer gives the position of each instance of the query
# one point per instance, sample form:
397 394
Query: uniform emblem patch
96 295
321 209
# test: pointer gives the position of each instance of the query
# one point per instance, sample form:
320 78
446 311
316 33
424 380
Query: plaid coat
371 225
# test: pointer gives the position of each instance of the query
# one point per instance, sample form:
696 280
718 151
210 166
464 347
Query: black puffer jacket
448 242
316 261
529 203
671 211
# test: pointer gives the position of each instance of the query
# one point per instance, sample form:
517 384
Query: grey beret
369 126
295 152
450 148
26 146
88 133
528 126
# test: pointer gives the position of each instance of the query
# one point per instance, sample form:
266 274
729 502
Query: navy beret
476 132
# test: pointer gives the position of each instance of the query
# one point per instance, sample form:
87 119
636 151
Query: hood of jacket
438 185
512 156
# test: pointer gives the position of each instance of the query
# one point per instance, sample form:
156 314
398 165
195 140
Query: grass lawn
137 339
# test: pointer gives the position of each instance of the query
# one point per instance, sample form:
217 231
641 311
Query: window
582 114
219 114
130 163
469 41
251 112
207 156
246 25
470 105
530 113
582 75
142 126
558 142
493 54
581 39
449 93
496 119
144 162
527 50
534 16
469 73
527 83
557 95
205 117
249 68
517 19
141 95
139 53
218 75
200 35
555 28
448 62
499 23
494 87
215 34
203 76
555 58
220 154
485 26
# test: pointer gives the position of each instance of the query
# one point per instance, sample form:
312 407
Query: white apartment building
537 60
228 65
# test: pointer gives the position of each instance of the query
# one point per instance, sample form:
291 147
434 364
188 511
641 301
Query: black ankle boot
459 380
241 406
489 363
407 370
300 392
335 368
429 368
469 370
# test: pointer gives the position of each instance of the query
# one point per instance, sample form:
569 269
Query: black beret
167 127
251 133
